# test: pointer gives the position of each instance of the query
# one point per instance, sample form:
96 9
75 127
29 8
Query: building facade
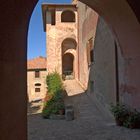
36 78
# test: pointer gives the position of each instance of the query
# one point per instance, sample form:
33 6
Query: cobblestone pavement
89 124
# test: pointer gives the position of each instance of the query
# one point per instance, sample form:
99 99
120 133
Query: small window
37 89
90 52
91 55
37 74
68 16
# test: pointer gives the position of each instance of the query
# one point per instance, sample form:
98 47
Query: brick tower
60 25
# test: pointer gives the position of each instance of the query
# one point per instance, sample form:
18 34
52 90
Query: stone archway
69 58
14 26
68 66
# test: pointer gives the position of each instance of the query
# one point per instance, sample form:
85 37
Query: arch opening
68 66
68 16
68 58
37 84
69 44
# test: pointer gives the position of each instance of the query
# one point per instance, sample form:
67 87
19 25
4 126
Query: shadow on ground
89 124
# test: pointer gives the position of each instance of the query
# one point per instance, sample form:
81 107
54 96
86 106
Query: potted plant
120 113
133 121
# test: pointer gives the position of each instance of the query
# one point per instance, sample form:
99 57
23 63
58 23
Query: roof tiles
37 63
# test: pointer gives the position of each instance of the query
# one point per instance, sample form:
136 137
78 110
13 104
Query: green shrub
119 110
55 91
54 83
133 120
52 107
126 117
61 106
46 112
120 113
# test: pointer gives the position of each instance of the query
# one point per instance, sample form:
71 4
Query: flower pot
45 117
132 126
138 125
119 122
62 112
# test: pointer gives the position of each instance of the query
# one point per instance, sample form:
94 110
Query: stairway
73 87
74 94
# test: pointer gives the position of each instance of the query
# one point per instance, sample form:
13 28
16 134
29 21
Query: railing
68 75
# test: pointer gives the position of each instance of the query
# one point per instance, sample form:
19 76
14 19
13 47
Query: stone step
73 88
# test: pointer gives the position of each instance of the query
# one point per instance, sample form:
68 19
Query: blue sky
36 35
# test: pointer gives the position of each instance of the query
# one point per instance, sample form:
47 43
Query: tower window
68 16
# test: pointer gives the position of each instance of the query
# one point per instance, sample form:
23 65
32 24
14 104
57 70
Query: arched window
68 16
37 84
68 44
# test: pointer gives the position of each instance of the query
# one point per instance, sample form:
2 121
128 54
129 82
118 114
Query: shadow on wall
106 69
82 102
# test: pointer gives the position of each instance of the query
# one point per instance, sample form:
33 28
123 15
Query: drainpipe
78 44
117 72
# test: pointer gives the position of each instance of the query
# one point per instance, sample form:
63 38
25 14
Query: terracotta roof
37 63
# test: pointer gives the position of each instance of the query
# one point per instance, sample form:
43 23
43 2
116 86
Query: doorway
68 66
